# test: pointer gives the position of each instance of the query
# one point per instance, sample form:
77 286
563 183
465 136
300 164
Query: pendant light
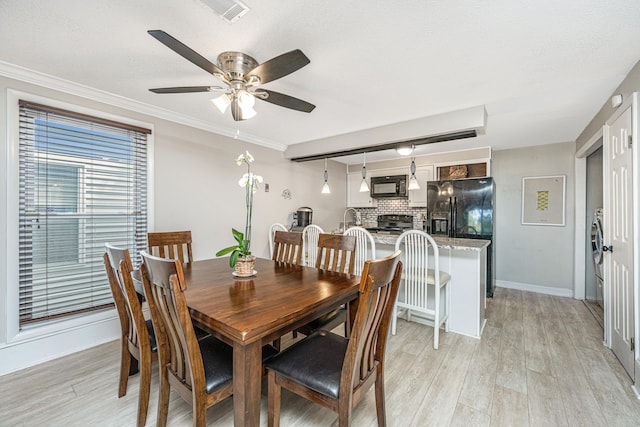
325 187
413 181
364 187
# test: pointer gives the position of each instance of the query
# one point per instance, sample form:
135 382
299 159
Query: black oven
389 186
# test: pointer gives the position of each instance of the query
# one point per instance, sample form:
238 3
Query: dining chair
276 226
310 244
365 247
171 245
287 247
335 371
201 371
424 288
336 253
138 341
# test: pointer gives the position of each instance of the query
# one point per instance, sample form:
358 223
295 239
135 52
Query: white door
618 218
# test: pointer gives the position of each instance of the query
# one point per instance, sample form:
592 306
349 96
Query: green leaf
233 259
239 236
225 251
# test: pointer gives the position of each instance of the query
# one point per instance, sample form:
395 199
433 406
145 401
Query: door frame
580 238
635 129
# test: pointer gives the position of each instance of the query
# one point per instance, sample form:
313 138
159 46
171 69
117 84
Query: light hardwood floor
540 362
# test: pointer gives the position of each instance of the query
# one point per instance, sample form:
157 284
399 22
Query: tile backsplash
392 206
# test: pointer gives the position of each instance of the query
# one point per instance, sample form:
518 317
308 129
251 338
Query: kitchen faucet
356 215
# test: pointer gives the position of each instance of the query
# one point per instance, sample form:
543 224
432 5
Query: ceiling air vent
229 10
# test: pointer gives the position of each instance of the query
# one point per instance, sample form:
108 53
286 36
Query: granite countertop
442 242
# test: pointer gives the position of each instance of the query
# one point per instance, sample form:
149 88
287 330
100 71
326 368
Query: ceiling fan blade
186 52
287 101
279 66
185 89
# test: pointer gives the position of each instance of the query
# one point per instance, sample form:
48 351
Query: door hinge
633 343
630 141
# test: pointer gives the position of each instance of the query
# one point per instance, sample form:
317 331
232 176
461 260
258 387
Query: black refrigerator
464 208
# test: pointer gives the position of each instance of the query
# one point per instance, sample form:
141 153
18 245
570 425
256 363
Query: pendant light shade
325 187
364 187
413 181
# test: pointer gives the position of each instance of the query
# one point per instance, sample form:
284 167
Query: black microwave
389 186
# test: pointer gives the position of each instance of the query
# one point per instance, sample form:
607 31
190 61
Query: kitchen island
465 260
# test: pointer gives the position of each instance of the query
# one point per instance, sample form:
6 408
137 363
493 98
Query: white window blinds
83 183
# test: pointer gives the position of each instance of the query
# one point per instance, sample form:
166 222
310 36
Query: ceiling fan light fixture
245 99
222 102
248 112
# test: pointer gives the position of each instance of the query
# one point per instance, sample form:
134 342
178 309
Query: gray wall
196 188
538 256
630 84
595 199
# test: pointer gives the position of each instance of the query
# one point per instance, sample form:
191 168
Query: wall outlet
266 188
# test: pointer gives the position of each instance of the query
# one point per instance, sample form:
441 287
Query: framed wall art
543 200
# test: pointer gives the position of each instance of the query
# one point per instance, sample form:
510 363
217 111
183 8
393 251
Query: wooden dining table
248 313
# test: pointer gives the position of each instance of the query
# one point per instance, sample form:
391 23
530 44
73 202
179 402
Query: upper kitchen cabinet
355 198
462 170
418 198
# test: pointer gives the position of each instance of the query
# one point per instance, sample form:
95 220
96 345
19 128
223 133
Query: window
83 183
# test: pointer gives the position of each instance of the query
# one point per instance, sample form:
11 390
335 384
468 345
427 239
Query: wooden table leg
247 376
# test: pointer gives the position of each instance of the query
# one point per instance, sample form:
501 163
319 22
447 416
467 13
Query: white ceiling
541 68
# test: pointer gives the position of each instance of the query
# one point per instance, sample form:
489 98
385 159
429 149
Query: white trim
580 228
547 290
591 145
34 77
46 342
35 351
635 152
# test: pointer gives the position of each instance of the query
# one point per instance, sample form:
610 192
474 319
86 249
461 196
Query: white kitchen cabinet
390 172
418 198
356 199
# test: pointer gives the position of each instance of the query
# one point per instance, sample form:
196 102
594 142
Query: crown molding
26 75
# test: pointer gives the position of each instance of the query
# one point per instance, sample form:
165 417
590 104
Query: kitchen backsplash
392 206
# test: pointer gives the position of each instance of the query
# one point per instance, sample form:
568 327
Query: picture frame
543 200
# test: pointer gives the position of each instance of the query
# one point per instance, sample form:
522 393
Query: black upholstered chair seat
200 333
217 358
315 362
152 336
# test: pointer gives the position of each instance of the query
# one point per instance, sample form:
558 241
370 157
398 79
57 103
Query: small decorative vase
244 266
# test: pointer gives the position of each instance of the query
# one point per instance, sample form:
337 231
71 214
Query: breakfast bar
465 260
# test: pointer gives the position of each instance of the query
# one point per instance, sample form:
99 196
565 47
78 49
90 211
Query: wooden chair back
336 253
365 247
181 360
363 363
287 247
364 359
276 226
135 339
310 236
171 245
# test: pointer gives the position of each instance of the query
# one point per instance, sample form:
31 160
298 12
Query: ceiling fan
242 76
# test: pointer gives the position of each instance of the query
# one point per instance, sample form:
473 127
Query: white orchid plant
250 182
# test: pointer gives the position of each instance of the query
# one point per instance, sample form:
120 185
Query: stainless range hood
459 124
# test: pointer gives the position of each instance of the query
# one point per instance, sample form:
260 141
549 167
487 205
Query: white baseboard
21 355
559 292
